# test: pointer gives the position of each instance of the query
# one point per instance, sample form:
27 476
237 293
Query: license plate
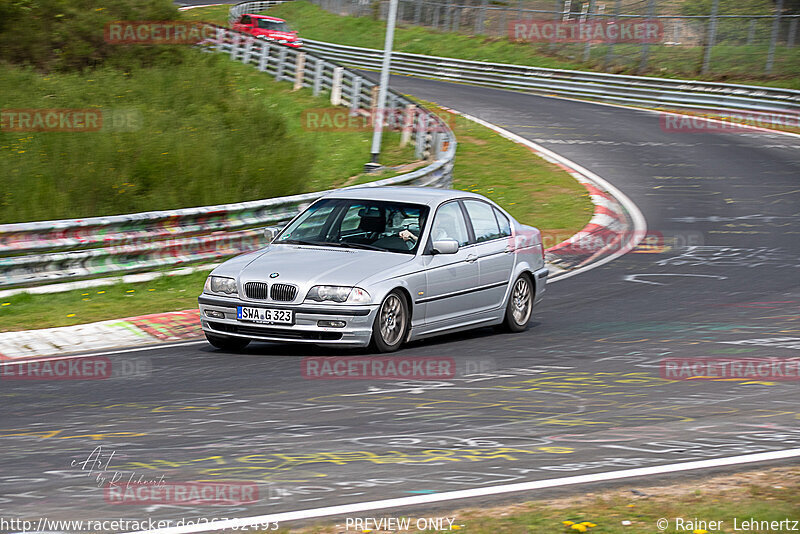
264 315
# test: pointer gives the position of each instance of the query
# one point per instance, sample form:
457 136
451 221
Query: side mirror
445 246
270 232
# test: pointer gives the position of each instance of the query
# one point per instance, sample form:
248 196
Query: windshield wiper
304 242
362 246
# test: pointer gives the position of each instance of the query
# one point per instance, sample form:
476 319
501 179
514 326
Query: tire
234 344
391 323
520 305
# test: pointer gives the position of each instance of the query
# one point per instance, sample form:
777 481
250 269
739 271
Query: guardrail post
318 71
281 64
235 46
248 50
355 95
422 128
408 124
712 35
263 61
776 24
220 38
299 71
373 105
336 86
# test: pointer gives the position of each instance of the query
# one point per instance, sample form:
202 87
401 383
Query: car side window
246 20
502 220
484 223
449 223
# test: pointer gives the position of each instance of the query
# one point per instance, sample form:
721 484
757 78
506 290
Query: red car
268 28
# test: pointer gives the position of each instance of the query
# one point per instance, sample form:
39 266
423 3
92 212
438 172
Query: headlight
220 284
282 41
353 295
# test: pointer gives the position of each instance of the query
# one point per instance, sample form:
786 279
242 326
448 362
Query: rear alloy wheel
234 344
391 324
520 305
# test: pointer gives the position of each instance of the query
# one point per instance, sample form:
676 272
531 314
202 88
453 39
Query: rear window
484 222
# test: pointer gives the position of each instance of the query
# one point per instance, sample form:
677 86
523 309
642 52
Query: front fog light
215 314
331 324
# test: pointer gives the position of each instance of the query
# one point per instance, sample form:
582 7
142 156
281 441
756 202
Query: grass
166 293
733 64
773 495
533 190
206 131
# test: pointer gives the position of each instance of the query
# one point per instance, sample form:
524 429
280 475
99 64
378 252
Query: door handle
471 258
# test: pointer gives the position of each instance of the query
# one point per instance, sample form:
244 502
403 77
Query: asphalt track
578 393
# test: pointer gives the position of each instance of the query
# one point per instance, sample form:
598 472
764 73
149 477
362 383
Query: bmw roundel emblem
274 275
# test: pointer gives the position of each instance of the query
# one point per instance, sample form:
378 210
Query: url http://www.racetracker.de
44 524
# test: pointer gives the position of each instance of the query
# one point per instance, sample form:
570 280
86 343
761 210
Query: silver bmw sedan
379 266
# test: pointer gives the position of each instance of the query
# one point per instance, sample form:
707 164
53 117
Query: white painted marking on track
635 277
637 218
418 500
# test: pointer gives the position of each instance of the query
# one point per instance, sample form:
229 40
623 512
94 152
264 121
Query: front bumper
357 331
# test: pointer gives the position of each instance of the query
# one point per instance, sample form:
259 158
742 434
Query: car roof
276 19
416 195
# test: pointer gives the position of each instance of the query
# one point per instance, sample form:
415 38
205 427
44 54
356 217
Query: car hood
289 36
307 266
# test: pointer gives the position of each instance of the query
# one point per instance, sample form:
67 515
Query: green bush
65 35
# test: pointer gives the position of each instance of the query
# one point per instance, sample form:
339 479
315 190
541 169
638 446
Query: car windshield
265 24
360 224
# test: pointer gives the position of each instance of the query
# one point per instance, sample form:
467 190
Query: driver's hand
407 235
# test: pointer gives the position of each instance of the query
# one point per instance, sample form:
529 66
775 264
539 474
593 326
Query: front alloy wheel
391 323
520 305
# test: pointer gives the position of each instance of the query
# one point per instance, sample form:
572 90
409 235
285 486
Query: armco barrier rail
727 99
50 251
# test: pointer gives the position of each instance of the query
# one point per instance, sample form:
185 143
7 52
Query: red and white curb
103 335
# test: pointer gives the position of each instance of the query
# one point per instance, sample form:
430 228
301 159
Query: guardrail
615 88
48 251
